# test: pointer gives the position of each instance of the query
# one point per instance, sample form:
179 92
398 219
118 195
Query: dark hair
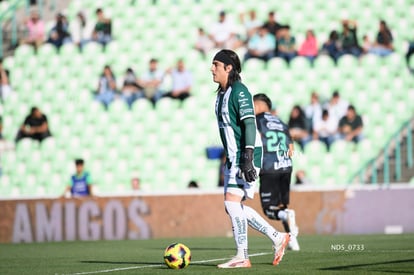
33 109
351 107
325 112
264 98
234 74
79 162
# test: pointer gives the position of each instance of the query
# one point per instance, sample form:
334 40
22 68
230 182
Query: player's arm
246 166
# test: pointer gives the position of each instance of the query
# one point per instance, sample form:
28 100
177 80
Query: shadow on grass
350 267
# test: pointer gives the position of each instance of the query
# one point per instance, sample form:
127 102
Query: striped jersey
276 139
232 106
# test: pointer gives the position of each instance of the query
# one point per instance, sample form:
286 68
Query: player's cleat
294 229
280 248
236 263
293 243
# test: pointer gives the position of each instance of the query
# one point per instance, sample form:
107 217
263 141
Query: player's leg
233 197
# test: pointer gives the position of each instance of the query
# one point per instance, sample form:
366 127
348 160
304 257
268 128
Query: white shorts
238 186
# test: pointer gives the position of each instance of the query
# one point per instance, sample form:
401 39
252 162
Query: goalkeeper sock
239 224
258 223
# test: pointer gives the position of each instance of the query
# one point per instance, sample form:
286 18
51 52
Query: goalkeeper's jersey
276 139
232 106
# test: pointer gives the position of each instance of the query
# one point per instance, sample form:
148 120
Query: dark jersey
276 139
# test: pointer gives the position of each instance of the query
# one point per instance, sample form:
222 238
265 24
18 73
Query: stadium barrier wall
197 214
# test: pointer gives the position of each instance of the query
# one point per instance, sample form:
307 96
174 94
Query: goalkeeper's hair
234 61
264 98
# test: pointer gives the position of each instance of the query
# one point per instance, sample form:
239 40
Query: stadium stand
166 145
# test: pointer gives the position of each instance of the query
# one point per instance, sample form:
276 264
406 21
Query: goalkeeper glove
247 170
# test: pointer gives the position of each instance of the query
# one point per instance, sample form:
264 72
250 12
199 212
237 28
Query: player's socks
239 223
260 224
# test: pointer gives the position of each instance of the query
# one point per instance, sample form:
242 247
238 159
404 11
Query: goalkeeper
237 126
276 172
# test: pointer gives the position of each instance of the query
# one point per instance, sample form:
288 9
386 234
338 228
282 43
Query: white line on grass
157 265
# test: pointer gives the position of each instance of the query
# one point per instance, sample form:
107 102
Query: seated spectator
301 178
383 45
131 90
337 107
271 24
35 30
135 184
35 126
151 82
203 43
350 126
298 127
223 33
192 184
409 53
81 29
261 45
286 44
313 111
106 87
366 44
349 39
332 47
5 89
80 182
59 34
102 33
324 129
182 81
251 24
309 47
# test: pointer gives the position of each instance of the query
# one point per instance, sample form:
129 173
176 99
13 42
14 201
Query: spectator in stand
81 29
383 45
332 47
223 33
349 39
301 178
203 43
102 33
135 184
271 24
35 126
336 106
151 82
106 87
409 53
251 24
298 127
309 47
131 90
286 44
261 45
182 81
192 184
59 34
324 129
5 88
351 126
80 182
35 30
366 44
313 111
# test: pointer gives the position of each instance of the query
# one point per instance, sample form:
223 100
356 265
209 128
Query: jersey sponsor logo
243 102
241 94
282 164
246 111
271 125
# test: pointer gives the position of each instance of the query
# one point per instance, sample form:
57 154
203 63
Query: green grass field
370 254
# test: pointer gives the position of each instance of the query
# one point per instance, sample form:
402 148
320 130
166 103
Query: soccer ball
177 256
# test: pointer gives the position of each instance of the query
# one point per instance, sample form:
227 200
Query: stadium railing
383 163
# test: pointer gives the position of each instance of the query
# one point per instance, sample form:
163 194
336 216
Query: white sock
258 223
239 223
282 215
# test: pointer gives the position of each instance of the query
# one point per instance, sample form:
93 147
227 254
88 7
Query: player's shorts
238 186
274 189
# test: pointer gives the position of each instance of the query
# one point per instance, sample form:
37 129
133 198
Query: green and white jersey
233 106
